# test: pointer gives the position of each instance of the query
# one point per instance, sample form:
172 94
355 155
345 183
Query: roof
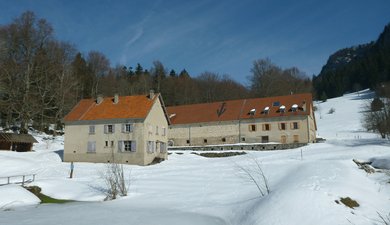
17 138
128 107
241 109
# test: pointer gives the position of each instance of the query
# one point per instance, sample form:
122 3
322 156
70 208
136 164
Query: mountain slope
355 68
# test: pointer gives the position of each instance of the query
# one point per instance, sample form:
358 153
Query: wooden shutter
113 128
123 128
105 129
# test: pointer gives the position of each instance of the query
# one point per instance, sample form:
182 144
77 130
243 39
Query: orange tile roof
137 106
240 109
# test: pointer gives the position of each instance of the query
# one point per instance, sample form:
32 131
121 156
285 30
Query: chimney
151 94
116 99
99 99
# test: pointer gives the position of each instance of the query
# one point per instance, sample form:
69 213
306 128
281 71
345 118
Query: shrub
349 202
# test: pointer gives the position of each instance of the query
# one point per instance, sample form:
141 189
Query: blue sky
207 35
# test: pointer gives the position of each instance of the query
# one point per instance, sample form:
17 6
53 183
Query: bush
349 202
219 154
331 110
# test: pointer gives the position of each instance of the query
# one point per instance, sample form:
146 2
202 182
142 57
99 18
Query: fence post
23 181
8 180
33 177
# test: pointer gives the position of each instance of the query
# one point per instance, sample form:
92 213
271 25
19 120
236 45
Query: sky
223 37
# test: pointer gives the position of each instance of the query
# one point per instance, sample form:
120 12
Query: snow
190 189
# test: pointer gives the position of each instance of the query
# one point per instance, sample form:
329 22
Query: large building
122 129
282 119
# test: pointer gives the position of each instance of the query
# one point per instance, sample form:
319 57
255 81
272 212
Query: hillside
190 189
355 68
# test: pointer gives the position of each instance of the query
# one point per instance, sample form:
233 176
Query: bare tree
377 119
254 174
99 66
114 178
26 38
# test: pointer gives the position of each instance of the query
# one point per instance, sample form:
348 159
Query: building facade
282 119
121 129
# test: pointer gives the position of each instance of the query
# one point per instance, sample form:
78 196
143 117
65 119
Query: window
163 131
109 129
294 125
243 139
127 128
277 103
205 141
266 126
150 146
264 139
91 147
296 138
92 129
106 144
223 139
188 141
156 130
282 126
127 146
252 127
112 143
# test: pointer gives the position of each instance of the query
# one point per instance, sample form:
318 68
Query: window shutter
133 146
292 126
131 127
123 128
89 146
113 128
105 129
120 146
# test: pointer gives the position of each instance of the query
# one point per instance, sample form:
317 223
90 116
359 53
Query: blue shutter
133 146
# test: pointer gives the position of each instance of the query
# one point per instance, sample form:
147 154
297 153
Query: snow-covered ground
190 189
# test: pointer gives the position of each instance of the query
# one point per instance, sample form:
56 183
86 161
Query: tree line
42 78
356 68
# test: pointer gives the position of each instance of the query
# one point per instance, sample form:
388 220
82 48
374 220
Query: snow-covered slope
190 189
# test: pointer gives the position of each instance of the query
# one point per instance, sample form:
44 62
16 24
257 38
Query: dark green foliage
355 68
219 154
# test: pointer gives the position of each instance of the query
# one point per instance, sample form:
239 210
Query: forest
42 78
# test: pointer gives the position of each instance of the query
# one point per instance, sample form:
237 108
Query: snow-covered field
190 189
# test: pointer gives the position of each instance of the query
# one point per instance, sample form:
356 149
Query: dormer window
252 112
266 110
294 108
277 103
282 108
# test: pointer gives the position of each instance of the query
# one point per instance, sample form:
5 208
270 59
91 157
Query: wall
275 133
238 131
213 132
155 119
77 137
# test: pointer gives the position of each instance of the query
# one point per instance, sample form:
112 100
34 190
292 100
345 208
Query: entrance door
283 139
